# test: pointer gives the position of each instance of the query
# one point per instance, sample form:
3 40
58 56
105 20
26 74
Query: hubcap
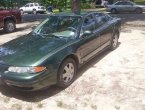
115 41
11 27
68 73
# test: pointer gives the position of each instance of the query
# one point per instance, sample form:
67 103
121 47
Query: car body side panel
1 18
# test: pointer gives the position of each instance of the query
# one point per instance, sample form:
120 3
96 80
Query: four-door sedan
125 6
55 49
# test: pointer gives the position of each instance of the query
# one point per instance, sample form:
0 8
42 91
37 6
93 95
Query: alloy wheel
68 73
115 41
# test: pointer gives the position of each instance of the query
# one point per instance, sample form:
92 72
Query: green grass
141 2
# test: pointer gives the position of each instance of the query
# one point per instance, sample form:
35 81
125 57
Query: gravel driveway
112 81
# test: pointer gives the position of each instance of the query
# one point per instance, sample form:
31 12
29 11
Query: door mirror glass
86 33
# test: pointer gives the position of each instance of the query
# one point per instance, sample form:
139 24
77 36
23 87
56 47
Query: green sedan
56 48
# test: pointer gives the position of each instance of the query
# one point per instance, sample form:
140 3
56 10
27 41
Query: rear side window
100 19
127 3
31 5
89 23
36 4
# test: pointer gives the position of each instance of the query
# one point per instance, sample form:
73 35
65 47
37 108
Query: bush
87 5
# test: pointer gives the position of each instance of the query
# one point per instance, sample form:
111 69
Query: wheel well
10 19
116 31
138 8
75 58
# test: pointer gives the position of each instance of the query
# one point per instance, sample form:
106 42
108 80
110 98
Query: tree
76 6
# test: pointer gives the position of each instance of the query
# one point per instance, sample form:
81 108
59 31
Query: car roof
83 13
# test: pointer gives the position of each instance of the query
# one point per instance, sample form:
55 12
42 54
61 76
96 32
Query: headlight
26 69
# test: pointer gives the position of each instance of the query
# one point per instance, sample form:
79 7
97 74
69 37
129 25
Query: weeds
6 99
16 107
59 103
40 105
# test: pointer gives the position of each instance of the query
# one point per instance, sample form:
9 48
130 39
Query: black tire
34 11
9 26
114 41
63 74
113 11
138 10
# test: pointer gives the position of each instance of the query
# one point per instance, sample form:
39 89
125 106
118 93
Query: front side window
59 26
27 5
119 3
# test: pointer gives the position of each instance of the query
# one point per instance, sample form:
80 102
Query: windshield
59 26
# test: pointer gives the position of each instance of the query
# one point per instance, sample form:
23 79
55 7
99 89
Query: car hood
27 50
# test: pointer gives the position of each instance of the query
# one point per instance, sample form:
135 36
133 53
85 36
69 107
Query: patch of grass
16 107
59 103
6 99
117 107
141 2
94 107
40 105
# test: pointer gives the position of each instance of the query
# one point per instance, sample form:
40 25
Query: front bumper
29 83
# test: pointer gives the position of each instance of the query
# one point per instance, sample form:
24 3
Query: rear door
128 6
104 26
90 42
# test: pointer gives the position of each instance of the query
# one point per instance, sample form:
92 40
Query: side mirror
86 33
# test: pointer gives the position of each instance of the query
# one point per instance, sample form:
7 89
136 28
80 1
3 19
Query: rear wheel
113 11
114 42
9 26
66 73
138 10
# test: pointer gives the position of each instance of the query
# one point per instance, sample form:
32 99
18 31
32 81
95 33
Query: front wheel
114 42
113 11
66 73
9 26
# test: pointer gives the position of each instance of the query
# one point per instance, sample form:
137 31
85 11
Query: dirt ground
112 81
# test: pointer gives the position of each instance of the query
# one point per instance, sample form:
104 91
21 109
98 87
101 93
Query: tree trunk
76 6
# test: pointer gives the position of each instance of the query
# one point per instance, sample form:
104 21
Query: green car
56 48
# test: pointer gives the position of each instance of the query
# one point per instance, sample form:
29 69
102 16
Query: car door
88 42
104 27
1 18
31 6
128 7
26 8
119 6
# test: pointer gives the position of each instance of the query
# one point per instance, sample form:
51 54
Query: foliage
87 5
